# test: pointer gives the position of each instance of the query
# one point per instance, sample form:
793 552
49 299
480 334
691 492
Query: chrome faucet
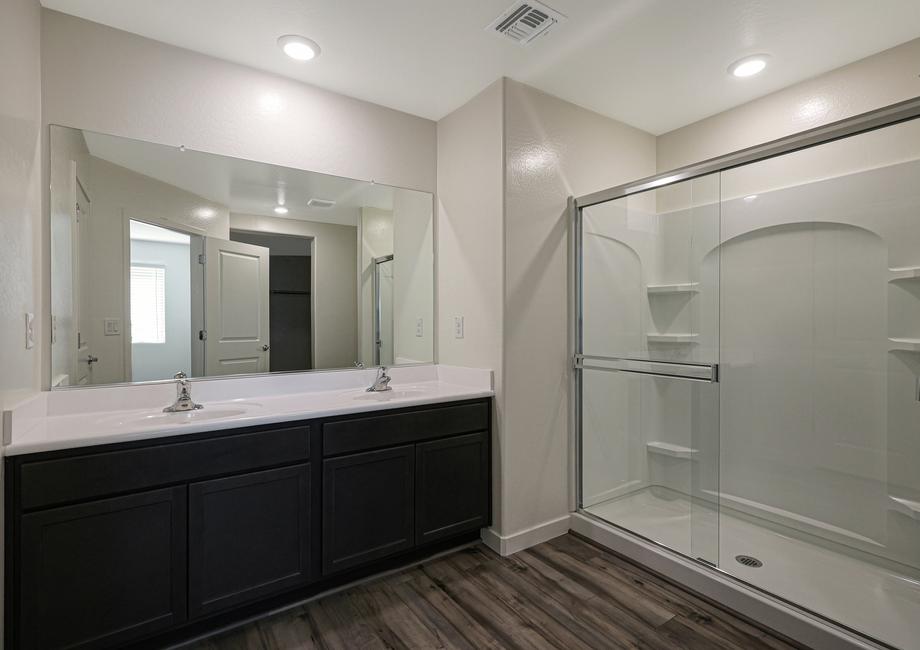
183 396
382 382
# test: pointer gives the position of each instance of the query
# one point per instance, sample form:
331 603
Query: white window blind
148 304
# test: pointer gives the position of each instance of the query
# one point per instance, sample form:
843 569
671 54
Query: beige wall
413 271
553 149
879 80
110 81
21 269
334 273
470 247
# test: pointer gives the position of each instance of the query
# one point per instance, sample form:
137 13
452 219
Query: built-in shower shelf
668 449
910 345
904 273
905 507
671 338
684 287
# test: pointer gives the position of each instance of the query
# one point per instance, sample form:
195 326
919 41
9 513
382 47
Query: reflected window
148 304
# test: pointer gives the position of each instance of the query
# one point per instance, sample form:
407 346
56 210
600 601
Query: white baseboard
747 601
510 544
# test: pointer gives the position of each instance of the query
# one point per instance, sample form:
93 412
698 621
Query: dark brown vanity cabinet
103 572
368 507
144 544
249 536
452 486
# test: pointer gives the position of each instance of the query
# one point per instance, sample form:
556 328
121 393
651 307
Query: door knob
90 360
265 347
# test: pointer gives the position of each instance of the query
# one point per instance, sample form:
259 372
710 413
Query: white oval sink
387 395
181 417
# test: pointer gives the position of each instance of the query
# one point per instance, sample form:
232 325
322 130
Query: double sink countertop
81 417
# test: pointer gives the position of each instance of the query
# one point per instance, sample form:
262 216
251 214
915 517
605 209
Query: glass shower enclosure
747 364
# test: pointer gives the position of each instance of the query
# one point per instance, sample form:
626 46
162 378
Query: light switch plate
53 329
112 326
458 327
419 327
30 330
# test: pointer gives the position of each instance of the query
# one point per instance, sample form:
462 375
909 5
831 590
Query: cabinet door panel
249 537
452 486
367 507
103 573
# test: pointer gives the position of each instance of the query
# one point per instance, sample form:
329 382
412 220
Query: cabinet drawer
359 434
49 482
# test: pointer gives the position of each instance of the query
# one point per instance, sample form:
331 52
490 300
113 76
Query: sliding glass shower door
649 379
749 383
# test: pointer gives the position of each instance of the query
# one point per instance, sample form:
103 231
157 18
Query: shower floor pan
865 596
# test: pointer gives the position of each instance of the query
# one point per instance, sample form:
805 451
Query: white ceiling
244 186
655 64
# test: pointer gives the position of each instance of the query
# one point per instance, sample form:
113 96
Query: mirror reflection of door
162 273
290 297
237 308
383 310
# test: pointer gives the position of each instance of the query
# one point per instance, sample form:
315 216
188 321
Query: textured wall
553 149
20 194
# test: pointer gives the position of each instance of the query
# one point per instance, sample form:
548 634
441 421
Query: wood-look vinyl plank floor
566 593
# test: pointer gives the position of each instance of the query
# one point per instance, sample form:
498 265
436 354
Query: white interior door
236 311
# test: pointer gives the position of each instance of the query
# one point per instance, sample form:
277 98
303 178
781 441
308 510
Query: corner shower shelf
667 449
671 338
684 287
906 344
904 273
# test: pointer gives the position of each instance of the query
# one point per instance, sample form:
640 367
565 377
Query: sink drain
749 561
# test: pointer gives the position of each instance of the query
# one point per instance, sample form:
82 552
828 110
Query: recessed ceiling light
280 209
749 66
299 48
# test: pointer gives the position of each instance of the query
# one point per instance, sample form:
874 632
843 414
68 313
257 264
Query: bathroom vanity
163 537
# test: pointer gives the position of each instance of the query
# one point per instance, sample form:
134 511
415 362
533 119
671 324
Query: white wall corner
506 545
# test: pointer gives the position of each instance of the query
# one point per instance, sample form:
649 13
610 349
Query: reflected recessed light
280 209
749 66
750 197
299 48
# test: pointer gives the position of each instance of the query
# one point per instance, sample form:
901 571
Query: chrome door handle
666 368
90 360
265 347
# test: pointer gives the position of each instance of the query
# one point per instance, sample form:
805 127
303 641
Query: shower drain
749 561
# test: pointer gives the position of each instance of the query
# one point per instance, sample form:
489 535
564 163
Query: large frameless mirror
165 260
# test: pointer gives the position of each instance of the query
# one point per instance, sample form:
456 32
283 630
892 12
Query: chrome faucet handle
183 396
381 382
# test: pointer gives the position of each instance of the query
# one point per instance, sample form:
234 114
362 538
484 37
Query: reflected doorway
290 298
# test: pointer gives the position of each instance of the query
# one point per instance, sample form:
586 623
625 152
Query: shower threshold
870 597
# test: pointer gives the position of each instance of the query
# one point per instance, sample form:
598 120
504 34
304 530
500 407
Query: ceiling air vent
320 203
524 21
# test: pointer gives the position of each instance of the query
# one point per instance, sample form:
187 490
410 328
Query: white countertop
75 418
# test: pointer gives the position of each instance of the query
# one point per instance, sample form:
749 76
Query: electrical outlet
419 329
458 327
30 330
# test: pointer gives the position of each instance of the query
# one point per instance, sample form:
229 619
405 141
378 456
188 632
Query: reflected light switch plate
112 326
458 327
419 327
